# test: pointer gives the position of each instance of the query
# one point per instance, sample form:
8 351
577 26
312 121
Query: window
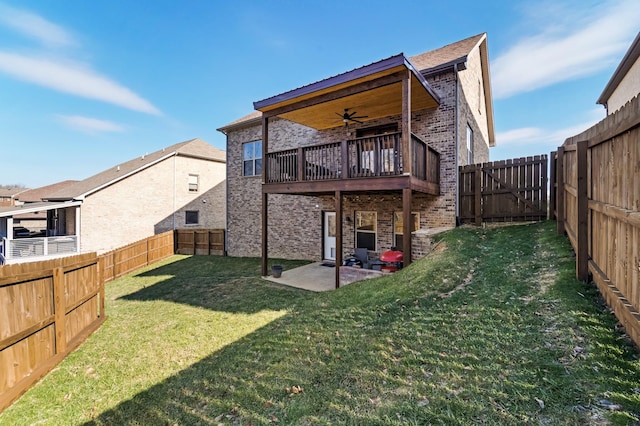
252 158
191 217
398 230
469 145
193 183
366 230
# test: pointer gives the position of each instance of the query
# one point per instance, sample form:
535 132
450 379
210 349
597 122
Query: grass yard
492 328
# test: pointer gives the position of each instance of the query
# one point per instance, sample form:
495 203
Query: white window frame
254 158
194 183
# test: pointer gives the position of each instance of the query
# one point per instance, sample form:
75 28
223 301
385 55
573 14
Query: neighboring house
8 195
624 84
36 222
181 186
361 159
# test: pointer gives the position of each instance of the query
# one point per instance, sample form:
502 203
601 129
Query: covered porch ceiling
374 91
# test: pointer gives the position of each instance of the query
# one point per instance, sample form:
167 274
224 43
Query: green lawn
492 328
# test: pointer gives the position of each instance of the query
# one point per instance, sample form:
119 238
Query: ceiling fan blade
360 116
357 121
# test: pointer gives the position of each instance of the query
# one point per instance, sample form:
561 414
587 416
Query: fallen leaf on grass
294 390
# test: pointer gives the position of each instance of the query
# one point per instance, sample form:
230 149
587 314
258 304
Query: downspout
226 195
174 191
455 76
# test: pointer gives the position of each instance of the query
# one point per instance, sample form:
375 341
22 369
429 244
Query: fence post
59 306
582 233
552 185
560 191
544 182
100 275
478 194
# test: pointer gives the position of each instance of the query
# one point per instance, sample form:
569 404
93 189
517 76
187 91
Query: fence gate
504 191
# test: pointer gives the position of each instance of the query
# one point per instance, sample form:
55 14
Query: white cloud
35 26
561 52
546 137
72 78
90 124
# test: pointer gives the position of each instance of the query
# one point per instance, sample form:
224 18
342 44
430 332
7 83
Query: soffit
374 91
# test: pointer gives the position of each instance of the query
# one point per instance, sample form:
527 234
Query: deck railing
365 157
38 247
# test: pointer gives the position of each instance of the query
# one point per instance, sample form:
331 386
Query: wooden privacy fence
136 255
200 241
596 192
46 310
504 191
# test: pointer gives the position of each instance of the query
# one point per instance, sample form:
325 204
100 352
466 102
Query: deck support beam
407 159
338 207
407 226
265 196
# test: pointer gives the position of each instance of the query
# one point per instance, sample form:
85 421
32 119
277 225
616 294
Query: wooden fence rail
504 191
597 204
136 255
46 310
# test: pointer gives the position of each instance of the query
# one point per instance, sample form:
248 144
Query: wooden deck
364 164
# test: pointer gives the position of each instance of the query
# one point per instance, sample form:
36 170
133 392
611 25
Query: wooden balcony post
301 165
344 154
406 124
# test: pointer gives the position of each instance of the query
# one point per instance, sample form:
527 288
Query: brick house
360 159
181 186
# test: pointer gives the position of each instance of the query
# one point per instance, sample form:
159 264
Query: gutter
226 206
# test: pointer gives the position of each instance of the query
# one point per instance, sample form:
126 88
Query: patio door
329 233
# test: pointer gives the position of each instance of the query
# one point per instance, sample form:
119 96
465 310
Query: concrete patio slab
312 277
318 277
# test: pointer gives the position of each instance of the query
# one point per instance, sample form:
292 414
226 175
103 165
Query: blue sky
85 85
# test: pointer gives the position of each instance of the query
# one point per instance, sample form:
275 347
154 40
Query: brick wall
144 203
472 111
295 222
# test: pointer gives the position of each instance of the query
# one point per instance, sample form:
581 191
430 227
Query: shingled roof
430 62
196 148
36 195
446 56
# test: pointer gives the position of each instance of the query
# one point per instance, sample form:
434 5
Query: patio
317 277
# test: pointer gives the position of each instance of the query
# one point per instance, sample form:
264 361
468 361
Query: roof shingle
191 148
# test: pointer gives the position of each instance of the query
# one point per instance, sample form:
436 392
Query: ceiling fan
347 116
